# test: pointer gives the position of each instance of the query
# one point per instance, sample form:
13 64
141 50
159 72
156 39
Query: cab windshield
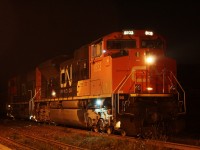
152 43
121 44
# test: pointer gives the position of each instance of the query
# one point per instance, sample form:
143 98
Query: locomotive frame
120 82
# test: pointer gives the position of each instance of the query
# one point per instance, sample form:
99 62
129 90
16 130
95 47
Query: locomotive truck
122 81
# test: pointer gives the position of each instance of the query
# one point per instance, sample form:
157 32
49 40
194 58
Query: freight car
122 81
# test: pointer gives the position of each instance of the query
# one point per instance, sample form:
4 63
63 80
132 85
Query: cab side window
97 49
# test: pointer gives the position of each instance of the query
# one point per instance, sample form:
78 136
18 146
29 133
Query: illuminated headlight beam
118 124
150 59
103 51
53 93
149 88
98 102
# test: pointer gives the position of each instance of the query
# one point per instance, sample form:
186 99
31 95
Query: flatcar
121 82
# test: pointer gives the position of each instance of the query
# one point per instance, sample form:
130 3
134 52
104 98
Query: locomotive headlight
53 93
98 102
149 88
150 59
103 51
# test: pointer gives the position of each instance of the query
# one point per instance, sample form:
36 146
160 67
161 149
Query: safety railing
180 92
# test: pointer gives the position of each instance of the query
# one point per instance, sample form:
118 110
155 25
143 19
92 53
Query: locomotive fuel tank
70 117
80 113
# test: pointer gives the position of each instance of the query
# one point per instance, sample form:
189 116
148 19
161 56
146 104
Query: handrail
184 101
127 77
176 90
31 101
122 81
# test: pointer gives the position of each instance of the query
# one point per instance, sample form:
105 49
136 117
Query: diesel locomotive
123 82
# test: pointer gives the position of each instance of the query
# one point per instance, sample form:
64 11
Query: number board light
128 32
149 33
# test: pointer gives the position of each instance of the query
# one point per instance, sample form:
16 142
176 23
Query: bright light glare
149 88
149 33
104 51
98 102
53 93
33 118
118 124
150 59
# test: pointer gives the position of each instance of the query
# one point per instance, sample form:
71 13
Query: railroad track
51 143
48 134
172 145
15 145
159 143
156 143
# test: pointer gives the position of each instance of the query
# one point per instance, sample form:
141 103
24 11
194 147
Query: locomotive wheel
101 124
123 133
95 129
109 130
89 122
